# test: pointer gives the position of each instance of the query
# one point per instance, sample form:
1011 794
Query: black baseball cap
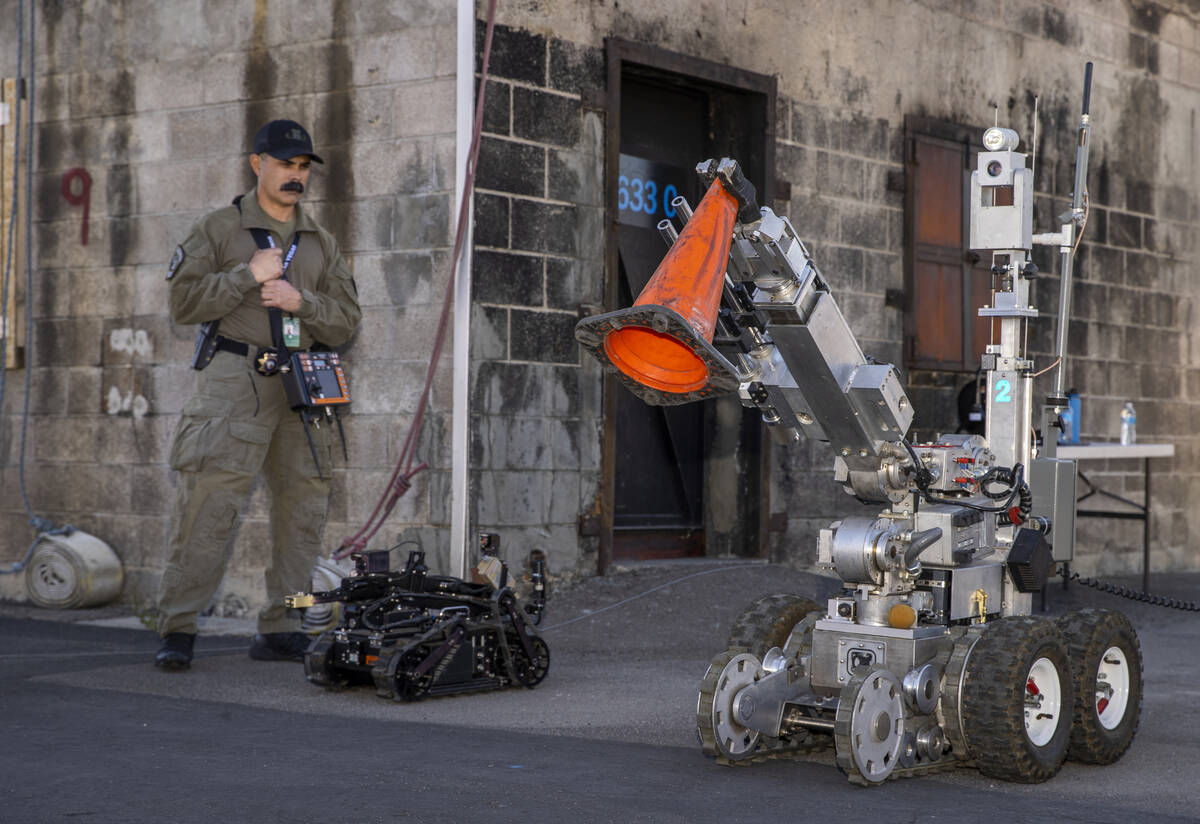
284 139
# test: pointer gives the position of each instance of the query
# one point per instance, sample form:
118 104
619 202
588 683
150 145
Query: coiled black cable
1017 488
1013 480
1136 595
998 474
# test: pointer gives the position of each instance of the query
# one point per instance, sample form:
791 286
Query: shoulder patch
176 262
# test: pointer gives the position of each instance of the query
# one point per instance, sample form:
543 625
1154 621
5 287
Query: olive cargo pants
235 424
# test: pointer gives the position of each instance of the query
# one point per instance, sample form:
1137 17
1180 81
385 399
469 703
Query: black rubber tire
1090 633
529 673
405 688
993 700
768 621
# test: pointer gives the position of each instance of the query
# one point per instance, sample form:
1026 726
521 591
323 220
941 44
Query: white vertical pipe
461 418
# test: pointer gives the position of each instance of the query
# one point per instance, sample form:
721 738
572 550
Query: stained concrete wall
159 101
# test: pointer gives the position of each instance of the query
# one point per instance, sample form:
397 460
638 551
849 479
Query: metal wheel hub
1043 701
1112 688
923 687
872 715
733 739
530 673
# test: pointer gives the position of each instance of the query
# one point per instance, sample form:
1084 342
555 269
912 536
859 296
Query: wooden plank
8 182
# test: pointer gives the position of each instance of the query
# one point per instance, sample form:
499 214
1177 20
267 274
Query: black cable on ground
1136 595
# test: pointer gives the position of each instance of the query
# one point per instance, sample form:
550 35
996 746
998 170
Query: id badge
291 332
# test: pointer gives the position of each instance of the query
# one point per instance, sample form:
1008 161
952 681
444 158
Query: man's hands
280 294
267 264
267 268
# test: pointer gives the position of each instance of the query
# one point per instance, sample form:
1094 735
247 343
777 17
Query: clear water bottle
1128 424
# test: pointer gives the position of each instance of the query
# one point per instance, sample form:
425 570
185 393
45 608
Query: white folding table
1117 451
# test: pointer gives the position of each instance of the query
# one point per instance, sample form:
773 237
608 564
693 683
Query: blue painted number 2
1003 391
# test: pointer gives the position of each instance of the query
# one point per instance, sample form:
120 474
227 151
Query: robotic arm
739 306
779 341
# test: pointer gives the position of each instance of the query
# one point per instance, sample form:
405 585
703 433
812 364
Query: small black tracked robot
414 635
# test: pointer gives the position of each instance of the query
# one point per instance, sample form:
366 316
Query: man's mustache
292 186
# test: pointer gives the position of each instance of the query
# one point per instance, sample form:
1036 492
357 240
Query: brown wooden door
948 282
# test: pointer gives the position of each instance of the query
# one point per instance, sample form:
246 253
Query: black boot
176 651
279 646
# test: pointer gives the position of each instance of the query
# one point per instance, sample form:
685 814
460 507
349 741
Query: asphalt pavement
91 731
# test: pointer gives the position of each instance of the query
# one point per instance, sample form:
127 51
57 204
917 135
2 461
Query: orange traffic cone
661 347
689 282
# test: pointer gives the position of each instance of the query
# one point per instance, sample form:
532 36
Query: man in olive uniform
237 421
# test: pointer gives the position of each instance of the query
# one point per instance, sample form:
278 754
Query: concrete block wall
539 256
159 104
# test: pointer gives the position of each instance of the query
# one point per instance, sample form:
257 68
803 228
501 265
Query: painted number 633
636 194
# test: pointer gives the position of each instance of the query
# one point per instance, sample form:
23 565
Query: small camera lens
994 168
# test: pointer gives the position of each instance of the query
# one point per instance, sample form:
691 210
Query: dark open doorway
665 496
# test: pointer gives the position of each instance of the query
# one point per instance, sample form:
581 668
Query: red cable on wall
402 475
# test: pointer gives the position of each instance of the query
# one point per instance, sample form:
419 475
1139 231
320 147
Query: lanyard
264 241
291 252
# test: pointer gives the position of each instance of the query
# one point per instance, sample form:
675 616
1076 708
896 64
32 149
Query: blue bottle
1070 419
1076 415
1067 416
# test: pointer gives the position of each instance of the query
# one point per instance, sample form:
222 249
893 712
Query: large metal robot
929 655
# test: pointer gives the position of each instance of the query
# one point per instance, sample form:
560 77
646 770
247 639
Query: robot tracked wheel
717 711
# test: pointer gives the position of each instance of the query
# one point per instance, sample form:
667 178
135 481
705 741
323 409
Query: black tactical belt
230 345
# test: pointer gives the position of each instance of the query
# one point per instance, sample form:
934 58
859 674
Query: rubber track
799 747
916 771
949 709
768 621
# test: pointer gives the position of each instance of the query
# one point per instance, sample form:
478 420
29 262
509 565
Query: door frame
620 55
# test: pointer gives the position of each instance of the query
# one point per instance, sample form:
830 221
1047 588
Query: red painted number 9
82 198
